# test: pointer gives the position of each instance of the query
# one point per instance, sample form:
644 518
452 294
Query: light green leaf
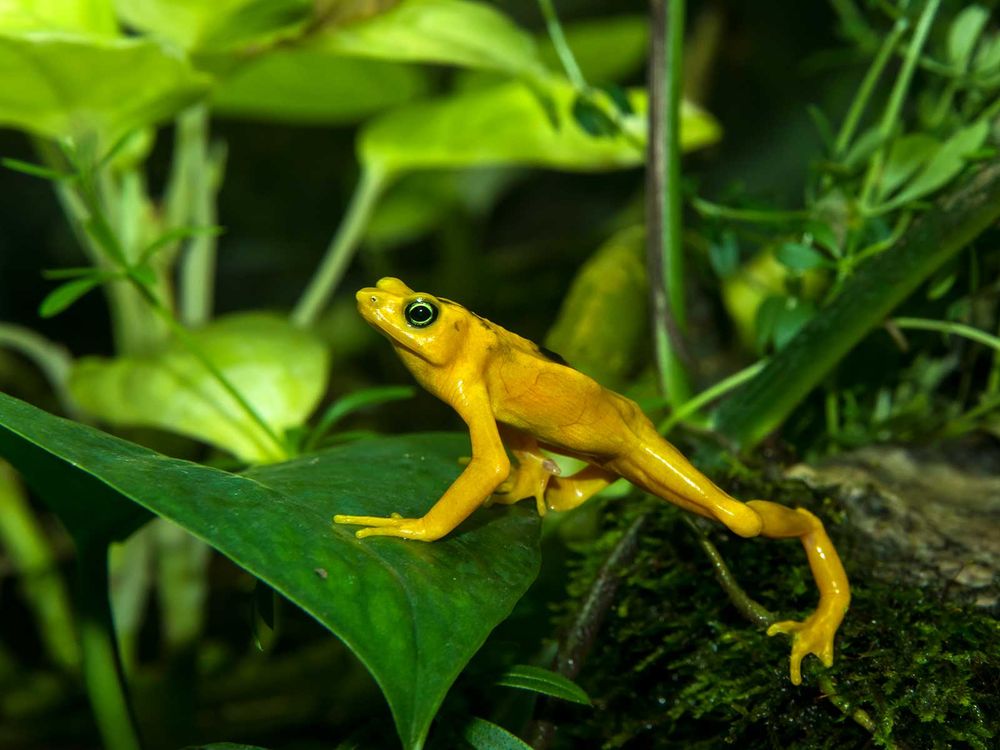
312 86
60 85
215 24
414 613
508 125
448 32
964 34
485 735
544 681
907 155
82 16
279 369
944 165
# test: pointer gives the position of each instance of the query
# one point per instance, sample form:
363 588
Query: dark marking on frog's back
553 356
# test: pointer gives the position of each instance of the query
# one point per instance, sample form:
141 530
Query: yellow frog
512 393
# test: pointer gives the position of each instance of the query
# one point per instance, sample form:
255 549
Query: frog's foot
814 635
394 525
529 479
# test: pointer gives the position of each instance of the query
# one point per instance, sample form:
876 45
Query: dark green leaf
766 321
724 254
66 294
544 681
908 154
824 236
414 613
37 170
799 257
619 98
790 318
224 746
485 735
592 119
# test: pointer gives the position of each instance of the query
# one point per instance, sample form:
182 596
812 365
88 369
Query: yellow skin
511 393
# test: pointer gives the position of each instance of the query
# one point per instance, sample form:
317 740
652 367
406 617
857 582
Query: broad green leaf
82 16
544 681
964 34
485 735
945 164
607 49
215 24
312 86
508 124
414 613
60 85
799 257
280 369
449 32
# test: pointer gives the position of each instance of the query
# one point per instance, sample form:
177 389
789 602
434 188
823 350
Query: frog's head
422 324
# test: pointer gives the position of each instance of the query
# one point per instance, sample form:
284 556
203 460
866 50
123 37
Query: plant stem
203 172
944 326
341 248
562 48
665 256
890 117
868 296
693 405
715 210
35 563
867 88
53 360
750 609
102 671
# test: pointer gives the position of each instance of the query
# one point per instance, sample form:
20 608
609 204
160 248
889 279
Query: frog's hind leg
565 493
814 635
537 475
529 476
661 469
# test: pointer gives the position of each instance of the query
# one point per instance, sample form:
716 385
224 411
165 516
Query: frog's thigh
565 493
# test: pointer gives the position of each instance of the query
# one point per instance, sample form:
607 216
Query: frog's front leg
487 469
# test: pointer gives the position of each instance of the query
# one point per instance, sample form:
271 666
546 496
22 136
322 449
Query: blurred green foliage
201 153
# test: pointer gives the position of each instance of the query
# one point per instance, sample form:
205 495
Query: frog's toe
394 525
812 636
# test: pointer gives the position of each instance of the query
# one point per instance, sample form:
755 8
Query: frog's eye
420 313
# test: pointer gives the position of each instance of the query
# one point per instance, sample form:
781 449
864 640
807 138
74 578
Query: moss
675 666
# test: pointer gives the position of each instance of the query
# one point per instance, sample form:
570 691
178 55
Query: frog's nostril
374 299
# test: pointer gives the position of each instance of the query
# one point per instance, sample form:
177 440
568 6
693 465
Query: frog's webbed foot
394 525
814 635
530 478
